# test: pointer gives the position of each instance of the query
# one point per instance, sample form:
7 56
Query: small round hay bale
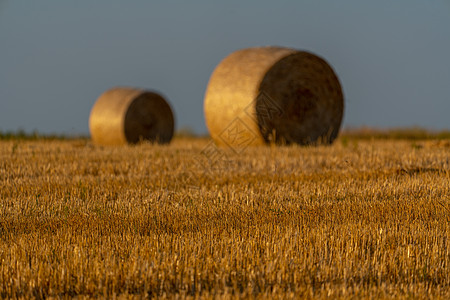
124 115
272 94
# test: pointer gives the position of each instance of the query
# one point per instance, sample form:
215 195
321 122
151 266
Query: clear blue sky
57 57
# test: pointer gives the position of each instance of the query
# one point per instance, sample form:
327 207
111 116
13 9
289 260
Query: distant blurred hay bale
273 94
124 115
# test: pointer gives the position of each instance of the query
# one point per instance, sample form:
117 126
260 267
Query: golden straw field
364 218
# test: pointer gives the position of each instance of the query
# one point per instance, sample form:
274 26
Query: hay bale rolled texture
272 94
126 115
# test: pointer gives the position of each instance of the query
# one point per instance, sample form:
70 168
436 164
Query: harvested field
359 218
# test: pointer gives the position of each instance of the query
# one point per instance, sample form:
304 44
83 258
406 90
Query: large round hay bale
124 115
273 94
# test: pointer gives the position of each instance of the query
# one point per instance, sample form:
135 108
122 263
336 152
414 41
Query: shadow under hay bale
125 115
271 94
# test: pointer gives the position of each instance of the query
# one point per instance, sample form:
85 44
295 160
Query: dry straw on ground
126 115
273 94
367 219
